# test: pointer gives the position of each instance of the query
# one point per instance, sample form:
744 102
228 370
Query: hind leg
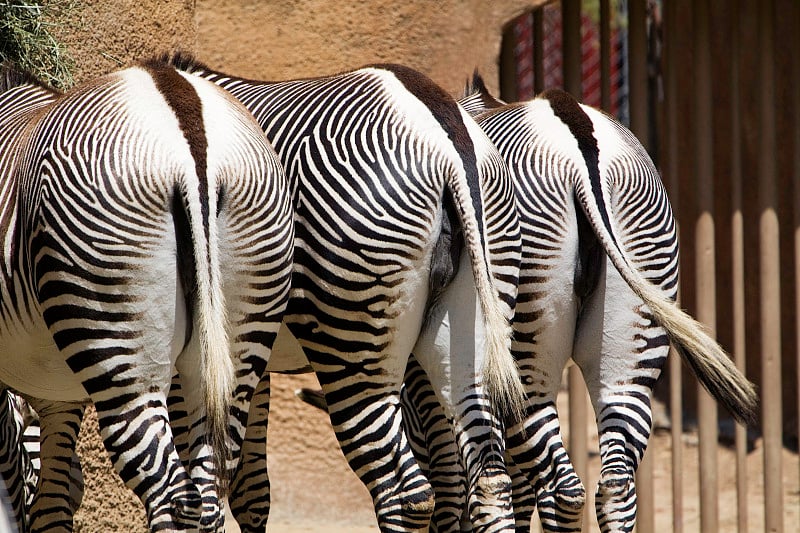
543 340
433 443
18 469
53 507
620 351
250 489
451 351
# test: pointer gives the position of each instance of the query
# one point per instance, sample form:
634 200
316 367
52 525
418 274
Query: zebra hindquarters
116 312
450 349
621 351
257 245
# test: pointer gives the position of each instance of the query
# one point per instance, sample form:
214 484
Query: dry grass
27 44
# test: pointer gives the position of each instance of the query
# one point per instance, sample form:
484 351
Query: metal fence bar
769 268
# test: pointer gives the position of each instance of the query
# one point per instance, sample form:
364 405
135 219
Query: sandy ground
318 508
661 448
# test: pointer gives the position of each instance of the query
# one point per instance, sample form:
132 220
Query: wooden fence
713 92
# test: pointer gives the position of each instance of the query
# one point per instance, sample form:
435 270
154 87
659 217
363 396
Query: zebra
380 159
597 282
147 227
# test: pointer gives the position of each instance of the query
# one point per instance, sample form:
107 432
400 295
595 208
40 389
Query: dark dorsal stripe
184 101
567 109
445 109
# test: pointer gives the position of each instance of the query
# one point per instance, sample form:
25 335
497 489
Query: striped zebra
380 160
146 227
598 275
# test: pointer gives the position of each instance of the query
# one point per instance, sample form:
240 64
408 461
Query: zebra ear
476 90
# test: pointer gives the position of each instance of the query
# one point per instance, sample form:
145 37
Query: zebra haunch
146 227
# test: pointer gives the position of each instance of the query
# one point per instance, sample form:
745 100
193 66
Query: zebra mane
180 60
11 77
476 98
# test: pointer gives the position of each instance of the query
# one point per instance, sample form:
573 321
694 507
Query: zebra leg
361 391
523 496
432 441
450 349
16 470
538 451
186 418
621 352
53 507
249 491
543 346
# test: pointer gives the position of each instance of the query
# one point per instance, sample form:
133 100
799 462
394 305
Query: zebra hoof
613 484
419 504
572 498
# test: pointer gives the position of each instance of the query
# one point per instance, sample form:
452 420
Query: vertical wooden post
795 44
769 267
737 258
671 28
637 69
705 259
605 54
538 50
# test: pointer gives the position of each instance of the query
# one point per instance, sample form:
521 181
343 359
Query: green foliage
26 41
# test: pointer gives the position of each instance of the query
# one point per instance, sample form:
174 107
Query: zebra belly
32 365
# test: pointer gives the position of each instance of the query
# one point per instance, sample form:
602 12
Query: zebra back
397 105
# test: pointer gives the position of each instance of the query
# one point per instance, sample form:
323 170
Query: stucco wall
446 40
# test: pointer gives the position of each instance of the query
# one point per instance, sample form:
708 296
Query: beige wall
272 40
447 40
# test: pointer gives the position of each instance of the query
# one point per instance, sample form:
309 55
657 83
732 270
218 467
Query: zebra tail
211 322
500 372
706 358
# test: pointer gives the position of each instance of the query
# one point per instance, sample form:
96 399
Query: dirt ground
336 502
661 447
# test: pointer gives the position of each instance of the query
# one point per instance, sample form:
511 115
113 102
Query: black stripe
566 108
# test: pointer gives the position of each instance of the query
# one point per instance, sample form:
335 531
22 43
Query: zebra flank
705 357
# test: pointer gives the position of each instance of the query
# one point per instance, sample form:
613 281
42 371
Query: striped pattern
150 229
598 276
18 469
371 154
